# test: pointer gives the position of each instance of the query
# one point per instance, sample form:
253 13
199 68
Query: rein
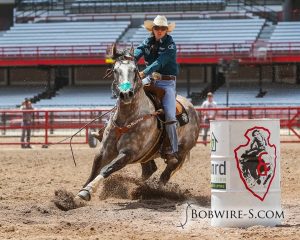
120 130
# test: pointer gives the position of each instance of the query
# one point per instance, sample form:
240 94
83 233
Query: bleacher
49 37
121 6
10 97
241 94
200 34
205 33
93 96
286 37
79 96
244 94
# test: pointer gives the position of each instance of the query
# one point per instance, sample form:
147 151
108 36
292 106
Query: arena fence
50 126
246 52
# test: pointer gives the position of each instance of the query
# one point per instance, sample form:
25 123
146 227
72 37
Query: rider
159 51
258 143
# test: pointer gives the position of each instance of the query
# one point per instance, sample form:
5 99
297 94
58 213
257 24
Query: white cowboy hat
159 21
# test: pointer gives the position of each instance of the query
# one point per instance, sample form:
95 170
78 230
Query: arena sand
36 187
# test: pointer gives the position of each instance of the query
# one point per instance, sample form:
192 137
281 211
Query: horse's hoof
79 202
84 194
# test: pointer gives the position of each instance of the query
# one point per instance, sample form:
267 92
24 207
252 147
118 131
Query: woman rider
159 52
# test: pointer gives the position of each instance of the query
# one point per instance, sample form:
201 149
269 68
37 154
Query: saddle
156 94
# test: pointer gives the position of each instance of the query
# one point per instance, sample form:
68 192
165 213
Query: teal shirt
162 61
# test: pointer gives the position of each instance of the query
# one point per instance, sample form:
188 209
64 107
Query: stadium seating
241 94
94 35
285 37
10 97
245 94
90 6
80 96
93 96
204 33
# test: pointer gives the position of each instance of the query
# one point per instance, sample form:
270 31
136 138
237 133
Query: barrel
245 173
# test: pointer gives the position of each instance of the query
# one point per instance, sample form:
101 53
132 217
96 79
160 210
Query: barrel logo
256 161
213 142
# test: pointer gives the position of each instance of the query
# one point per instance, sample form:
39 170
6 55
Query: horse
132 134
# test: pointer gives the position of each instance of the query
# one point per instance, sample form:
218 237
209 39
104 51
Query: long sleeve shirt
160 56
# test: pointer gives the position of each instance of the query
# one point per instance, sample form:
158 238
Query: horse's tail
198 115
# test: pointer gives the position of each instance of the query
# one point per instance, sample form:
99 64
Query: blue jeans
169 105
26 131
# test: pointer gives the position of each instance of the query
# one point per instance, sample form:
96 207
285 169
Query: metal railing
184 51
50 126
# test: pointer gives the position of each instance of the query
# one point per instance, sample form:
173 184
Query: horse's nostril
122 95
130 93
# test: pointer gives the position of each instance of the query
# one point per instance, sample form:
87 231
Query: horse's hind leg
172 165
148 168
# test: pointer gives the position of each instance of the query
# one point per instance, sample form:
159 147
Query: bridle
123 57
126 56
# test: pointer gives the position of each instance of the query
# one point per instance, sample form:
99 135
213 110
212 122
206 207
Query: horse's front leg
118 163
96 168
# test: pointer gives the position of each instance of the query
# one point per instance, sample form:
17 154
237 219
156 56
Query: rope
83 127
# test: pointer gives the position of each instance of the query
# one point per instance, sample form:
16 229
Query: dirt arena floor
124 208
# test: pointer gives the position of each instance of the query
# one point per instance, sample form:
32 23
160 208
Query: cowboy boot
171 158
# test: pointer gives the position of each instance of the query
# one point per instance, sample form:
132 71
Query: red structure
50 126
282 52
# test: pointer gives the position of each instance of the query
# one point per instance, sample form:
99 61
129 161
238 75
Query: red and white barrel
245 173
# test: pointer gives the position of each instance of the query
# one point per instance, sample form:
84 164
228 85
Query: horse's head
126 75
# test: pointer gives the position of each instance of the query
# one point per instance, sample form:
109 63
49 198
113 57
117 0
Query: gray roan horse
132 134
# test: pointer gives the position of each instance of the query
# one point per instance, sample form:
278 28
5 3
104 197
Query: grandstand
10 97
245 94
121 6
49 37
79 96
240 32
74 35
286 37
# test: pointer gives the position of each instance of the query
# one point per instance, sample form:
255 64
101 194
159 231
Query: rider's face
159 32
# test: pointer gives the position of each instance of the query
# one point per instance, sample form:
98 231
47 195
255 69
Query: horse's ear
114 50
132 50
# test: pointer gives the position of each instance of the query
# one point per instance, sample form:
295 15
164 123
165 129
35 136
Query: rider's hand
142 74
